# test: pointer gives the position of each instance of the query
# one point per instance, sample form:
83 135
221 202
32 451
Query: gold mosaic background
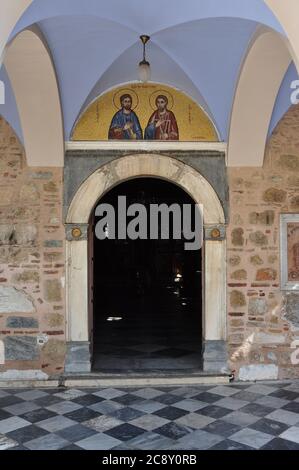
193 123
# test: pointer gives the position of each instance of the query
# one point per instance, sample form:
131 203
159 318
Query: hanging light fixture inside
144 68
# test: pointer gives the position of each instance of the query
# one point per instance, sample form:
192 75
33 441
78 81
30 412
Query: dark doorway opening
146 304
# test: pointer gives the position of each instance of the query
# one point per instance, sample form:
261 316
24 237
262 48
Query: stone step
169 378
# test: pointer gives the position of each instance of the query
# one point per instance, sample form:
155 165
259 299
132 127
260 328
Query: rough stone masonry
32 311
262 320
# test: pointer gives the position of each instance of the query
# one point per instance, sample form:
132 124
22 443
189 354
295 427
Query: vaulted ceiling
199 46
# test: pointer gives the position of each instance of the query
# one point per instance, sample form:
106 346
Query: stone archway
77 219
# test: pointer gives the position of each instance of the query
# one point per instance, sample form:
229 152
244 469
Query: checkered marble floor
226 417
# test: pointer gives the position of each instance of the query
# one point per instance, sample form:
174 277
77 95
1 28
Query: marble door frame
78 358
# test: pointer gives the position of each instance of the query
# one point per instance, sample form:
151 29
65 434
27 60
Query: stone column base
215 357
78 358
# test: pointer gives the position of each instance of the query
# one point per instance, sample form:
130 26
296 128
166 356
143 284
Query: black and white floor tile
232 417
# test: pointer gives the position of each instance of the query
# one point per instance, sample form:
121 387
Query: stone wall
32 311
263 321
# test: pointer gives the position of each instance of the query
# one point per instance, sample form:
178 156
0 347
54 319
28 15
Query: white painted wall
10 12
260 79
32 75
287 13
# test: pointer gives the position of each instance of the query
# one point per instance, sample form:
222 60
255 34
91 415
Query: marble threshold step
121 379
144 378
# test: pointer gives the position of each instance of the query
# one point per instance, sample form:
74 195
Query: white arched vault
214 251
261 76
10 12
287 13
32 75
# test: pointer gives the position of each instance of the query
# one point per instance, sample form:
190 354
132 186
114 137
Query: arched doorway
147 293
78 358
